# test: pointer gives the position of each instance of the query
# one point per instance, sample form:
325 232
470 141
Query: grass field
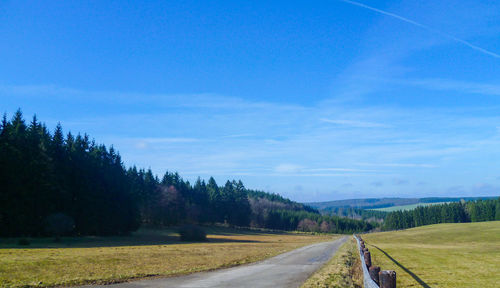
442 255
343 270
146 253
406 207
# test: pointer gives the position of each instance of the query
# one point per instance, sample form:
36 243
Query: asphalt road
290 269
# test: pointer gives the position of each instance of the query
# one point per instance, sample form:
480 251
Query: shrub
23 242
308 225
192 233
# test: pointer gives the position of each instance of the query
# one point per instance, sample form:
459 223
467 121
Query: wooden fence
373 277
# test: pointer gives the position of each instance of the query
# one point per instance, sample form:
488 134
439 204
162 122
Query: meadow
441 255
146 253
405 207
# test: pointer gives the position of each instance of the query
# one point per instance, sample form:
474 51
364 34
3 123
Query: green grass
406 207
442 255
146 253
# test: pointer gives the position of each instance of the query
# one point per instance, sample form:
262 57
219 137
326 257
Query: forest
456 212
52 184
356 213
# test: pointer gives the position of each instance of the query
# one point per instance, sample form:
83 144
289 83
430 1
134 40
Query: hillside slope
373 203
443 255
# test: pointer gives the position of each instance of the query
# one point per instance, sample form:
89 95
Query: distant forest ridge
52 184
373 203
452 212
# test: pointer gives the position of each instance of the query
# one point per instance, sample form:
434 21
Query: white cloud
354 123
287 168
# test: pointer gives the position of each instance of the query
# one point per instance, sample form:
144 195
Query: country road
290 269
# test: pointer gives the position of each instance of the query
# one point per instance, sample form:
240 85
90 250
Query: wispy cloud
371 122
401 182
38 90
191 100
425 27
326 175
339 170
456 190
287 168
168 140
451 85
238 135
231 143
478 189
354 123
399 165
298 188
143 143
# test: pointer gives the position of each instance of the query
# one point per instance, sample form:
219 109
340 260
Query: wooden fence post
374 270
387 279
368 259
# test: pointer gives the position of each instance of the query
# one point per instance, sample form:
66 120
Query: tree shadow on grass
230 231
110 241
142 237
420 281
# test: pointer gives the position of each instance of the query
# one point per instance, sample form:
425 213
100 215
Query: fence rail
367 280
372 276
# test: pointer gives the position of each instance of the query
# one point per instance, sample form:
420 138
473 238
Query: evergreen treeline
314 222
356 213
68 180
56 184
457 212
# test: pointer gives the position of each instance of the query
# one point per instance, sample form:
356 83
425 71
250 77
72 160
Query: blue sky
315 100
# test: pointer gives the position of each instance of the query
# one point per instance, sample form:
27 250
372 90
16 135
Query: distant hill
373 203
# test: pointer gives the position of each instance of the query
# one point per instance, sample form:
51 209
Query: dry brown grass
104 263
343 270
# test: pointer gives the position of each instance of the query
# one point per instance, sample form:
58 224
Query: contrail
430 29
